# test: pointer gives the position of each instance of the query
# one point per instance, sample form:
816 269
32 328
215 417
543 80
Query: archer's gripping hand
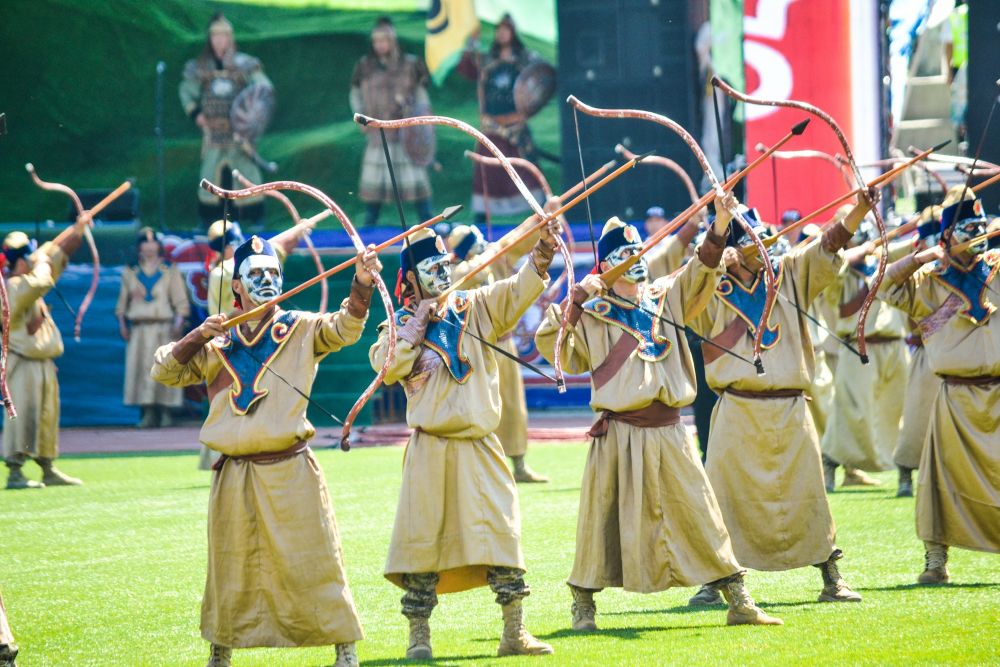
212 327
367 265
592 284
725 207
545 249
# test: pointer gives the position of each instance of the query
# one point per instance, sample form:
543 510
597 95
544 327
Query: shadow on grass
437 660
622 633
715 608
560 489
922 587
129 455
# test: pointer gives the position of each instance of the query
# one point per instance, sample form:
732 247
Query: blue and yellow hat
737 235
233 235
615 235
253 247
968 209
463 239
17 245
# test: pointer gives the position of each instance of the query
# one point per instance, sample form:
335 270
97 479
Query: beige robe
958 492
275 568
648 519
458 511
151 325
31 374
868 398
763 455
918 405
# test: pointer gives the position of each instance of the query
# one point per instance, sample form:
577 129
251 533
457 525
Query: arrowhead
640 158
800 128
941 145
451 211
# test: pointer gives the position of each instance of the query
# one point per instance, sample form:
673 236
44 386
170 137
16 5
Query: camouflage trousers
421 598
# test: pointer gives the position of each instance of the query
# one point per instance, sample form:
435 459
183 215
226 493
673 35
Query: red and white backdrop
820 51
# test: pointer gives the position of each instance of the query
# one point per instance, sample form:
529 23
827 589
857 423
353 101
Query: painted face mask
261 278
434 274
639 271
967 230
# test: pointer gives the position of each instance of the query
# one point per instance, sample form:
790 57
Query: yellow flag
449 25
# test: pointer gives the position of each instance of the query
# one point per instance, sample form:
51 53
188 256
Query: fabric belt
974 381
915 341
769 394
265 458
878 340
654 415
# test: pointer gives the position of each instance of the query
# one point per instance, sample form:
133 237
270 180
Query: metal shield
419 141
535 86
252 110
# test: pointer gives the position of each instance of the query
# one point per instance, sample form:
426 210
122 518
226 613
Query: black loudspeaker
983 72
123 209
636 54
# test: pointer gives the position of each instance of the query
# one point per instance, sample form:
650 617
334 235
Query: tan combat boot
856 477
17 480
52 476
835 589
516 640
525 475
346 655
706 596
584 609
742 609
219 656
420 640
935 565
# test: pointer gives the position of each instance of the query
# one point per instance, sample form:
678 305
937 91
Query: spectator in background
388 84
656 219
210 85
151 310
496 72
955 38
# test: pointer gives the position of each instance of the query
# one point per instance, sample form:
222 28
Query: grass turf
112 574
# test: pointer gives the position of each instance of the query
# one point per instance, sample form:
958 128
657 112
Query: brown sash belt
727 340
264 458
771 393
974 381
914 341
878 340
654 415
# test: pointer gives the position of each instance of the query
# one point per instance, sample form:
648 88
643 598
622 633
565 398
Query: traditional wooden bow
720 195
359 245
508 167
869 195
88 236
297 220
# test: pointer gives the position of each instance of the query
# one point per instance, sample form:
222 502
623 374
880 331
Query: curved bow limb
8 402
835 160
87 235
869 195
306 237
639 114
508 167
359 245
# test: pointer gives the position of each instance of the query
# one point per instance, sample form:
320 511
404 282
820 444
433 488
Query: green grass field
112 574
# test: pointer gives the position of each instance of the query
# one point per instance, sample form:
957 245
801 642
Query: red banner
800 50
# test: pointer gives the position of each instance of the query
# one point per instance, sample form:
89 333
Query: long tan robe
458 511
513 429
864 422
31 374
826 351
648 519
763 455
918 405
151 324
958 492
275 568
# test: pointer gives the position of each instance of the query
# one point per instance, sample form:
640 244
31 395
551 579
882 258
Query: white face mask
261 278
968 230
434 274
638 272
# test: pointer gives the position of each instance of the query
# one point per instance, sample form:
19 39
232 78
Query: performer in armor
954 299
922 385
275 568
458 523
764 460
34 343
8 647
468 247
210 85
389 84
864 419
648 517
151 310
496 72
